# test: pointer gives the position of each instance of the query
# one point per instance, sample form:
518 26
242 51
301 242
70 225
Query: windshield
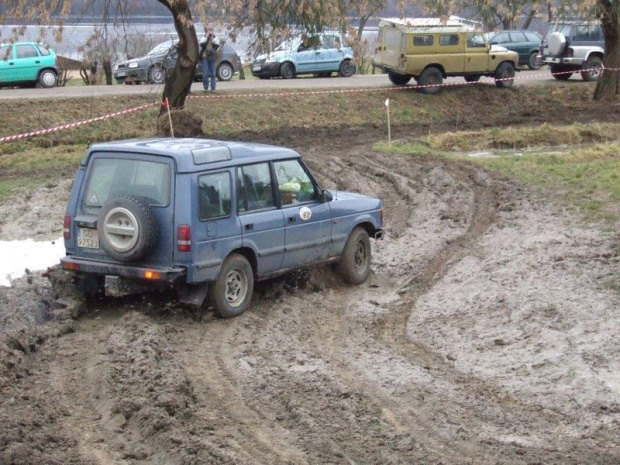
162 48
288 44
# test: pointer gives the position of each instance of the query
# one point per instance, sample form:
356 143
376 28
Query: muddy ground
487 333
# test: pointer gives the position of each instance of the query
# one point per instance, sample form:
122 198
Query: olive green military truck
430 49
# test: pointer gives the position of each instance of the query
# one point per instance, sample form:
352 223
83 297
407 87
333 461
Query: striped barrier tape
278 94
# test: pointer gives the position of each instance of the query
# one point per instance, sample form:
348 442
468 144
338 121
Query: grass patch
525 137
585 176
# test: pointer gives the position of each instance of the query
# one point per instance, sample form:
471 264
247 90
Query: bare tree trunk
609 84
107 70
530 17
179 82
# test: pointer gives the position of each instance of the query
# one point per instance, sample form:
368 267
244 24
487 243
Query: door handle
11 64
249 226
38 62
292 219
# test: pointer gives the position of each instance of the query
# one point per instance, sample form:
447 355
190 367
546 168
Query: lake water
76 35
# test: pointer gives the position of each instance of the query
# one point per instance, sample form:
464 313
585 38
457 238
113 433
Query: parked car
431 49
28 63
321 54
525 43
153 67
198 215
574 47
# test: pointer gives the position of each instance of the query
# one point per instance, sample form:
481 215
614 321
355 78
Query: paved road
377 80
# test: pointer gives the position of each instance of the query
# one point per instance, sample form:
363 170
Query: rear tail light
382 215
70 266
66 227
184 238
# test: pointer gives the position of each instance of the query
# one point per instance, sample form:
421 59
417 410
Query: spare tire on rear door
128 228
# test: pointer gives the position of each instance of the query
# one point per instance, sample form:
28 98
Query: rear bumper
572 61
154 275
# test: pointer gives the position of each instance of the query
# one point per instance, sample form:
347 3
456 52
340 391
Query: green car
24 63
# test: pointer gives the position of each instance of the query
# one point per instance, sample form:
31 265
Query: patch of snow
17 256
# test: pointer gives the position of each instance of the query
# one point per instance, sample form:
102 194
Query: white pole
387 106
169 116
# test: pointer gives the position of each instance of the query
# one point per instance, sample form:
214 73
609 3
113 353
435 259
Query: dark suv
574 47
153 67
197 214
525 43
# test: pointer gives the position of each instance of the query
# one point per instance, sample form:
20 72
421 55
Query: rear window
43 51
6 53
214 195
111 177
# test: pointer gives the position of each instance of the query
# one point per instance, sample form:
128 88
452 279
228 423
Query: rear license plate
88 238
256 68
122 74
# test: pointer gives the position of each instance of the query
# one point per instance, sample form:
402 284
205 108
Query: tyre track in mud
323 374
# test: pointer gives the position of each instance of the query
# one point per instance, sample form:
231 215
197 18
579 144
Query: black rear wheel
398 79
234 286
431 79
565 73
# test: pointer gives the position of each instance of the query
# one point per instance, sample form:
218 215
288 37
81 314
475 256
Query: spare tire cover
557 43
128 228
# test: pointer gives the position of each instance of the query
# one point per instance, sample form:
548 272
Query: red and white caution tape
42 132
280 94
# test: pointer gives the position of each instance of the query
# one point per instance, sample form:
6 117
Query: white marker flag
387 102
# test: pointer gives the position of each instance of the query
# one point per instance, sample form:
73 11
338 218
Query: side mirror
326 196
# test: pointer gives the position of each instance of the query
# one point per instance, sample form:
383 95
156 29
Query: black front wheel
505 75
234 286
561 73
533 62
354 264
592 69
287 70
347 68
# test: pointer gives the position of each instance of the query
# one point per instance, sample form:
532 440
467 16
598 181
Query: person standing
208 59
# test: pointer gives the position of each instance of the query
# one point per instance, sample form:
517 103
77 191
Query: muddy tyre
287 70
594 65
504 75
233 288
127 227
354 264
432 79
347 69
398 79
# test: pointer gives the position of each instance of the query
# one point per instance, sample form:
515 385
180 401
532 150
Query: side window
294 184
517 37
214 193
587 33
423 40
26 51
501 38
451 39
329 41
475 40
6 53
254 187
531 37
43 51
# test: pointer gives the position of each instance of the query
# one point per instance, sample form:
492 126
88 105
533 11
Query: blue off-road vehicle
208 217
